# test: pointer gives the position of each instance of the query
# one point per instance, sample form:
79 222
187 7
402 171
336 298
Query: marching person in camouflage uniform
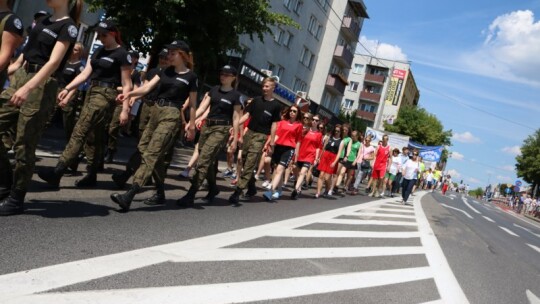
109 67
114 125
175 84
11 32
225 111
31 94
149 101
265 112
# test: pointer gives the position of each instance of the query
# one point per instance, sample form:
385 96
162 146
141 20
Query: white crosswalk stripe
37 285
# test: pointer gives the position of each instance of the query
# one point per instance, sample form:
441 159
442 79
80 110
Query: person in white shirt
410 174
391 172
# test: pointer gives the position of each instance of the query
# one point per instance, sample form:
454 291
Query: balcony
372 78
335 84
359 7
372 97
350 27
366 115
343 56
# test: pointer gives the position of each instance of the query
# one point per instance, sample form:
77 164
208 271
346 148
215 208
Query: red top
381 159
309 145
288 133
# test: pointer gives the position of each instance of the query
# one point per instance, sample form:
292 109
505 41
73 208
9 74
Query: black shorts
301 164
348 165
282 155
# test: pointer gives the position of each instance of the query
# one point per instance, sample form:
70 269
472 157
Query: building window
271 67
280 71
378 72
298 6
307 58
323 4
372 89
283 37
368 108
348 104
299 85
358 68
288 3
353 87
315 27
327 100
287 39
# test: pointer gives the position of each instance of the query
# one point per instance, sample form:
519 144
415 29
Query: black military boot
213 191
124 200
188 200
6 179
13 204
109 159
234 199
158 198
121 178
53 175
89 180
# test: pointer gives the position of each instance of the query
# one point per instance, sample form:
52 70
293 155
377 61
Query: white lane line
343 234
457 209
446 282
508 231
470 207
534 247
533 299
528 230
488 219
267 254
366 222
434 302
237 292
373 214
411 211
519 218
398 206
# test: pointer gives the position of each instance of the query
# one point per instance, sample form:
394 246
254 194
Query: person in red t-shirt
382 159
308 155
289 134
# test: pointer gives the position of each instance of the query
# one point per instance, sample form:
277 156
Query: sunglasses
315 119
415 154
306 118
293 111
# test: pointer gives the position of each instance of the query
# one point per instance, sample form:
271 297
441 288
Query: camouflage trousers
29 118
251 153
114 128
90 128
156 144
211 141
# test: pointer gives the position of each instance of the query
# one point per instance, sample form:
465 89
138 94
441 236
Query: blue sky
477 65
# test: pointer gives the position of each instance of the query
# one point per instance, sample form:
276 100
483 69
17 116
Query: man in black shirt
265 112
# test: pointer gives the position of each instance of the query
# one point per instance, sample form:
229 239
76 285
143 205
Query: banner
393 95
428 153
394 140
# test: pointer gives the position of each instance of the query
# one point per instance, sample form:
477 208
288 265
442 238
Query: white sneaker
267 185
330 192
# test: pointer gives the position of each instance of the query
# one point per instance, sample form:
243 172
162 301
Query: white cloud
508 168
457 156
510 50
381 49
514 150
466 137
502 178
473 180
454 174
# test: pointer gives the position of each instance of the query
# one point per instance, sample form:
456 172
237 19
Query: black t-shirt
107 64
263 113
44 36
151 74
70 71
176 87
13 24
222 103
333 145
136 78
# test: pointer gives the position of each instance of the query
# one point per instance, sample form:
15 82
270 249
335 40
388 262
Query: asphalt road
72 246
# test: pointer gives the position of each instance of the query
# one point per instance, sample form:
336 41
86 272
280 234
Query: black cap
106 26
179 45
228 69
163 53
40 14
133 54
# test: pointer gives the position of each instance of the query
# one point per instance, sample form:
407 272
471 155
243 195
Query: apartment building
312 61
378 88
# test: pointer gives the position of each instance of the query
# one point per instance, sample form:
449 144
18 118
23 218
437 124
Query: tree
356 123
528 163
210 27
422 127
478 192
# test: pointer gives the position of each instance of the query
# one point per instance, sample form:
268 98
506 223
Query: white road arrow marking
533 299
508 231
488 219
534 247
528 230
457 209
469 205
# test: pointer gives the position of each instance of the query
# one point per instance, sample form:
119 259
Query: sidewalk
506 208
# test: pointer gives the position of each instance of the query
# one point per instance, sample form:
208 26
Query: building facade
378 88
312 61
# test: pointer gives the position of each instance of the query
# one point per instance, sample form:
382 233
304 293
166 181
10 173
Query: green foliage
422 127
528 163
477 192
355 122
211 27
